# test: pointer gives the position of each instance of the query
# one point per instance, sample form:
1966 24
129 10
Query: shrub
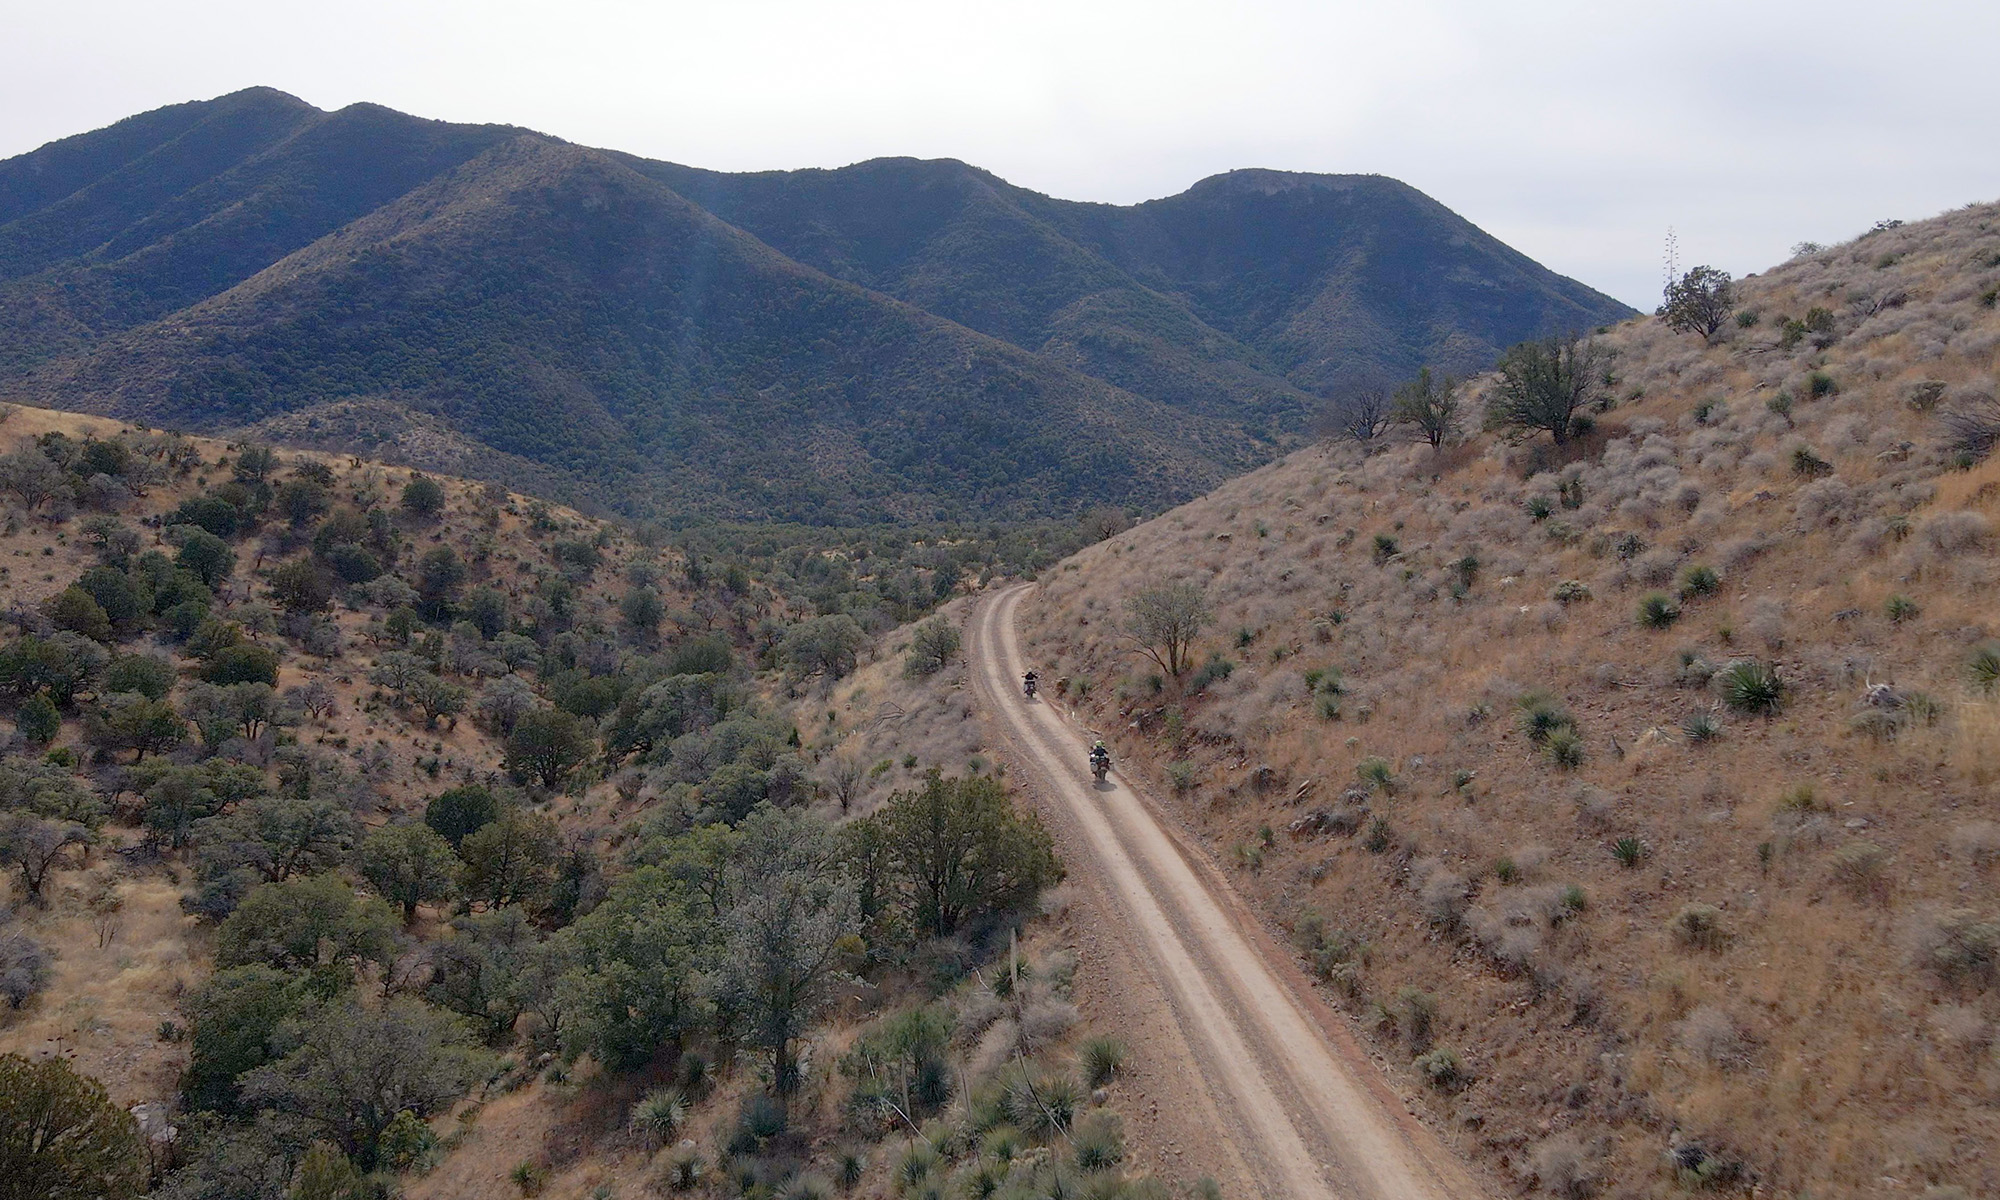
1629 851
1960 947
25 965
932 647
1972 428
1658 611
1045 1107
1180 775
1753 687
1900 608
659 1114
1541 717
1099 1059
1572 591
1701 727
1379 836
1216 669
1376 773
1699 581
1820 385
1699 926
1983 666
1099 1143
1442 1069
1808 465
1539 507
1858 867
1564 748
1385 548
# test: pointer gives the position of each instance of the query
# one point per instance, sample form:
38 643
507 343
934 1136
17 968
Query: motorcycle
1028 682
1100 763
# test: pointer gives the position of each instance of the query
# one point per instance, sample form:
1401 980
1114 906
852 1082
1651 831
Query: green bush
1983 666
1099 1059
1900 608
1564 748
1629 851
1699 581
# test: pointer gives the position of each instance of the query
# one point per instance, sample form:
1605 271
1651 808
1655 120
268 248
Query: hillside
924 339
1637 794
361 823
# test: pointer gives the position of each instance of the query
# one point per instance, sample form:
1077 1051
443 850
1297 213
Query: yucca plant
1099 1059
1699 581
1984 666
1702 727
1901 608
659 1114
1564 748
1658 611
1628 851
1099 1143
1754 687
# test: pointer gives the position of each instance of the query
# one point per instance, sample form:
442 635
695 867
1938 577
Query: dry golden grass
1841 1079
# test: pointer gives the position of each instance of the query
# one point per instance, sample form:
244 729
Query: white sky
1577 132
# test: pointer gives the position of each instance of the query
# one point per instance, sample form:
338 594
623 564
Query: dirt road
1303 1110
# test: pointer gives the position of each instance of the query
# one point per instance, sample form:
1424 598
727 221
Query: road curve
1306 1113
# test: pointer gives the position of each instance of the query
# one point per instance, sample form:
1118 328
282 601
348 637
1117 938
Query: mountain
896 339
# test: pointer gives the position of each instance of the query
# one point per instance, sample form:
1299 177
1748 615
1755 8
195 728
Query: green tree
1164 621
1699 302
435 697
793 903
932 647
548 745
461 811
642 611
129 721
243 663
960 851
306 924
123 601
61 1138
37 720
355 1069
486 608
637 961
300 586
233 1015
483 971
510 860
409 865
176 797
79 612
150 675
423 497
1431 405
327 1174
204 555
62 664
824 645
1544 385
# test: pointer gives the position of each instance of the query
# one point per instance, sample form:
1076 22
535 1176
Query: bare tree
1360 414
844 776
1165 621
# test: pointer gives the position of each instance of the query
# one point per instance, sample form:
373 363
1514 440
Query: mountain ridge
1149 350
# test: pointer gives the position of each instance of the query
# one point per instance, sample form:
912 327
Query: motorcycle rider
1100 759
1028 682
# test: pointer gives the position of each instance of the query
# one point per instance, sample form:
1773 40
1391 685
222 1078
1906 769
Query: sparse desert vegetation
1725 659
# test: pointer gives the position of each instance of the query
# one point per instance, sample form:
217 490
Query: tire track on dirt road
1306 1114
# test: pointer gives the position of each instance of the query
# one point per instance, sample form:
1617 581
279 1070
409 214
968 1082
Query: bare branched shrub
1700 927
1956 532
1959 947
1972 426
1710 1035
1565 1167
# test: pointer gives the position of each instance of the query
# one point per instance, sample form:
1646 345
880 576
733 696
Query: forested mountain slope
1637 792
921 338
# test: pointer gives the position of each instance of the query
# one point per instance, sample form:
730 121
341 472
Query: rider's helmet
1097 747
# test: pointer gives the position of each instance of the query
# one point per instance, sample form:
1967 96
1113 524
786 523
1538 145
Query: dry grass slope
1671 942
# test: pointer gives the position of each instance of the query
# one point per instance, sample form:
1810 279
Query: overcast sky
1577 132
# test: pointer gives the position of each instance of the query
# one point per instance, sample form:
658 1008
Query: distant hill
895 339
